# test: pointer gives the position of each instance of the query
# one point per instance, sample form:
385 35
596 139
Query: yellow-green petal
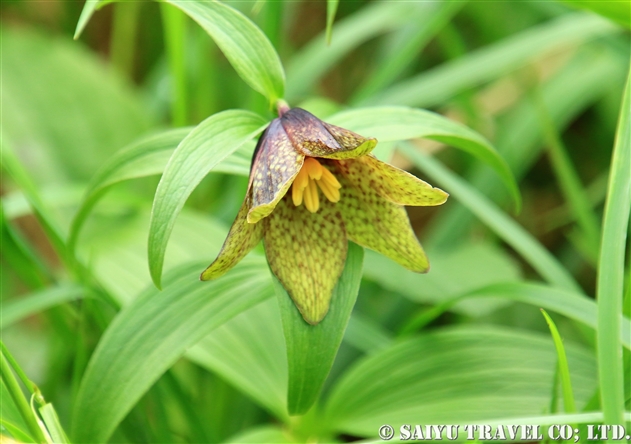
274 168
396 185
243 236
306 251
315 138
374 222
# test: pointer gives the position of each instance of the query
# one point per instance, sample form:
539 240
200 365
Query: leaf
316 58
249 352
14 310
262 434
573 305
331 9
150 334
619 12
101 113
311 349
562 365
53 426
207 145
146 157
437 85
244 45
611 267
471 266
512 233
455 375
393 123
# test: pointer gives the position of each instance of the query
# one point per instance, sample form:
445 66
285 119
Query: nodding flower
339 192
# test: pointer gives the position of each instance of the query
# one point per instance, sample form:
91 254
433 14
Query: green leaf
86 14
316 58
53 426
610 282
452 273
207 145
244 45
249 352
439 84
331 9
311 349
506 228
147 157
393 123
573 305
454 376
14 310
263 434
564 368
618 11
150 334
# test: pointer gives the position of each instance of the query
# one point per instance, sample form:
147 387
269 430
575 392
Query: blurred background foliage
541 80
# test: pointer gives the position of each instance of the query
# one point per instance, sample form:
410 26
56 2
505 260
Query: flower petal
398 186
316 138
276 164
306 251
243 236
374 222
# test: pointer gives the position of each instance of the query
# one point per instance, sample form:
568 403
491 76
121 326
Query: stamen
312 202
331 193
313 167
312 176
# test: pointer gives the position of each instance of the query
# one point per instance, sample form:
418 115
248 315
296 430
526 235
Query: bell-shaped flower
314 186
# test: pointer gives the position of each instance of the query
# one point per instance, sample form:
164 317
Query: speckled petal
396 185
376 223
306 251
275 166
243 236
316 138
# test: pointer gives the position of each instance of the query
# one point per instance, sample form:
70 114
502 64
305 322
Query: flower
339 192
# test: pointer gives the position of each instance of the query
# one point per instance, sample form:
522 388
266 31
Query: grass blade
610 281
507 229
564 368
312 349
207 145
151 333
437 85
331 9
17 309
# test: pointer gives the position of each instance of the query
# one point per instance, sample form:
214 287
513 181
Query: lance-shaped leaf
207 145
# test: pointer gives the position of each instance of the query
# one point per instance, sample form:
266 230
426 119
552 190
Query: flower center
304 186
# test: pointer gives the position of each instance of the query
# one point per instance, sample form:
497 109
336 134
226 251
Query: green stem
18 398
174 22
123 40
27 382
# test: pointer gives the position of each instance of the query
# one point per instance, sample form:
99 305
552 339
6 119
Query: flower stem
282 107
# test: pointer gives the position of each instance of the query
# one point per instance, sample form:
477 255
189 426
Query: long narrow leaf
443 82
513 234
311 349
17 309
207 145
151 333
244 45
610 284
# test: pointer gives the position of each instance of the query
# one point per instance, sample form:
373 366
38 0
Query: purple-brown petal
316 138
306 252
276 163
